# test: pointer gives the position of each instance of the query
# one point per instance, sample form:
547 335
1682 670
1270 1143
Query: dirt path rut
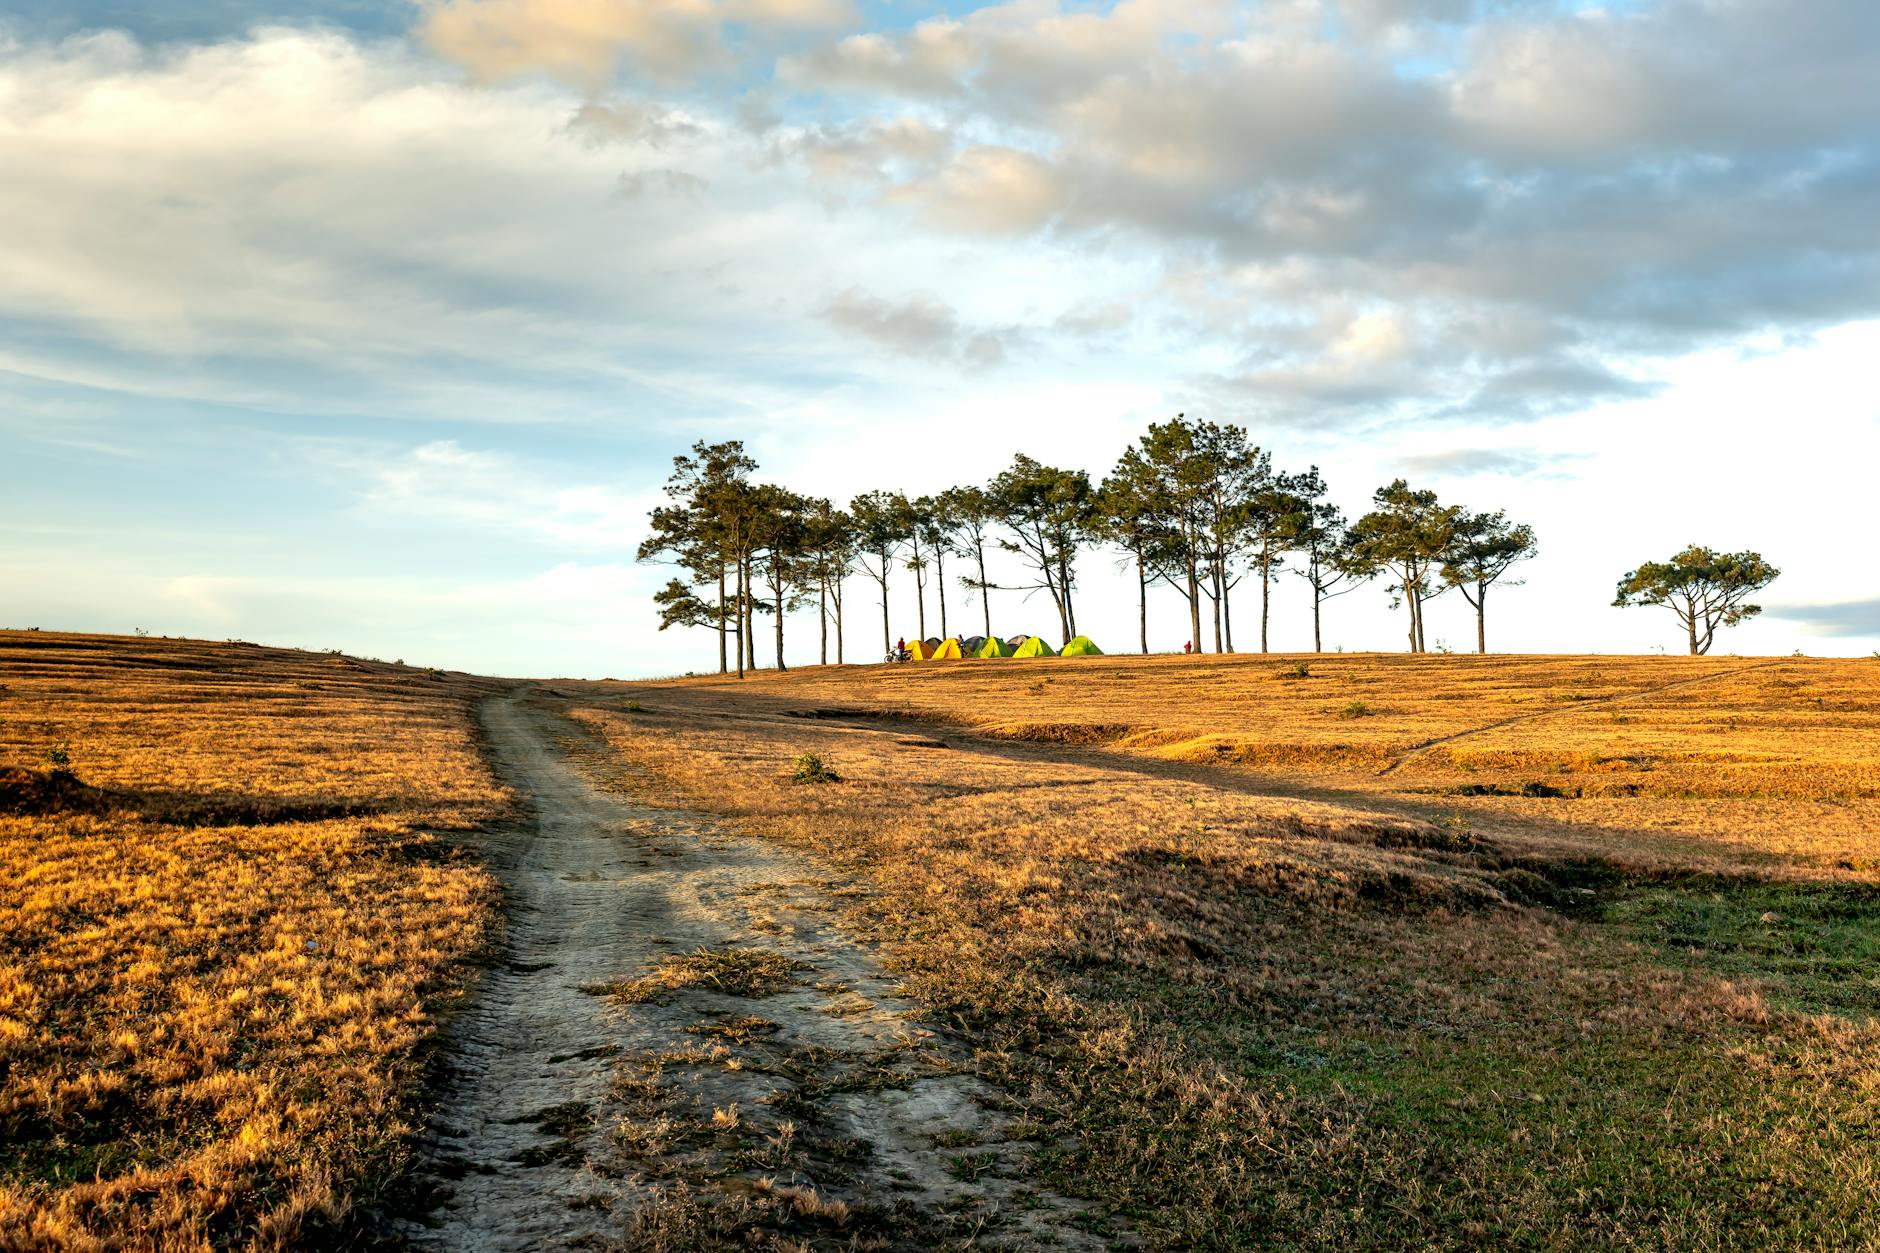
683 1050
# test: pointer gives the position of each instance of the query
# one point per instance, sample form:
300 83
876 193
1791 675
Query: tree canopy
1706 589
1193 505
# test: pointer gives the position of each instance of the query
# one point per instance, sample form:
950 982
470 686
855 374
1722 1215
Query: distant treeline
1194 505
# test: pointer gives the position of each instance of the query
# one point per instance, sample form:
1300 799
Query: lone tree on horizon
1706 589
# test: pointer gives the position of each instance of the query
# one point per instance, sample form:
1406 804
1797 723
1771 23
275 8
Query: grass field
1360 950
1334 951
228 902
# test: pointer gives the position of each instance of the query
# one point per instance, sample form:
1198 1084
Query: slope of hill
228 902
1363 951
1228 952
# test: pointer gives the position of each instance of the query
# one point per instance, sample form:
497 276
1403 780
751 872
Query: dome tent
993 647
949 650
1082 646
1034 646
918 651
971 644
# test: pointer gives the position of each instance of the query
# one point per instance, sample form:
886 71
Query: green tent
1034 646
993 647
1080 647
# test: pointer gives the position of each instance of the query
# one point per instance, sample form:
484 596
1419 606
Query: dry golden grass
221 937
1285 976
1742 758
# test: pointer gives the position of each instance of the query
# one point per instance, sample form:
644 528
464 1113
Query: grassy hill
1365 950
229 910
1301 951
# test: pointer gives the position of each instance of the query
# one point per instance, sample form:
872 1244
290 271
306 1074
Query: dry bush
222 939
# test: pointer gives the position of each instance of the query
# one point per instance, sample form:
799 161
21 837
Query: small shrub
1356 709
812 769
1298 670
59 757
635 707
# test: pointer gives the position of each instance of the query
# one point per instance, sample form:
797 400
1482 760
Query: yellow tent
1034 646
949 650
1082 646
917 651
993 647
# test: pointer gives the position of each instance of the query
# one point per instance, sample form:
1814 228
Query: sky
375 326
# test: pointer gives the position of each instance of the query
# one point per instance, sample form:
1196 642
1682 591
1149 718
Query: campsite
992 648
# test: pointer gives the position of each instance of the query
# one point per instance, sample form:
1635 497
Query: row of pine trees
1194 506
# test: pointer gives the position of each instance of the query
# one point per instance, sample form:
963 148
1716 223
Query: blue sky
375 326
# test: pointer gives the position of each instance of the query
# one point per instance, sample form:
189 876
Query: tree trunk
750 615
738 577
1266 588
1481 618
776 588
1070 606
822 617
1318 642
837 592
723 665
887 644
940 585
1216 575
1227 610
1194 604
985 593
1142 603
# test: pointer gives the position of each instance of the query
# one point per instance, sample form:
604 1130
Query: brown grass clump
1265 975
733 972
222 924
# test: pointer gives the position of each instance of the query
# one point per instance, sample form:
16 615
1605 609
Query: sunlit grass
221 945
1594 972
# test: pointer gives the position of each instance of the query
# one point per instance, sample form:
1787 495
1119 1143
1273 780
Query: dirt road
682 1047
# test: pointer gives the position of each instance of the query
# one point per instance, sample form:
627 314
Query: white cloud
494 492
1377 230
585 41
